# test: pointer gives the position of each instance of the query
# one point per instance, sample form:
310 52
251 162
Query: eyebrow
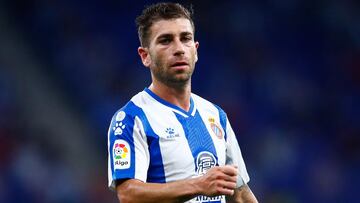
186 33
164 36
167 35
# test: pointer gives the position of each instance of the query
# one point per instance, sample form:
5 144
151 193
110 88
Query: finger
229 170
230 178
229 185
225 177
225 191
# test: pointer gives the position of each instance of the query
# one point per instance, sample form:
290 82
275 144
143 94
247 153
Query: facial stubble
172 78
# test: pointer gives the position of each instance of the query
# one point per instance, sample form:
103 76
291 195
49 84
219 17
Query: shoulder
126 118
132 108
205 104
212 109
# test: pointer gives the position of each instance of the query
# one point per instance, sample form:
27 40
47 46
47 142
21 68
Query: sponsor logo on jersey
204 161
121 154
201 198
216 128
119 126
171 134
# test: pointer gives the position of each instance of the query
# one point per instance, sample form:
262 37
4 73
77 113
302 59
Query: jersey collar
175 108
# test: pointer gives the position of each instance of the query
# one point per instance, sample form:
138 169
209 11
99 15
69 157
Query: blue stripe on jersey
127 135
197 136
156 172
166 103
222 116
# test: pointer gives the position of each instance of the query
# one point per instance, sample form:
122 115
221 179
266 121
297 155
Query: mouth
180 64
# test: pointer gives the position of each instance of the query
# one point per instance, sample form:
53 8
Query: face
172 51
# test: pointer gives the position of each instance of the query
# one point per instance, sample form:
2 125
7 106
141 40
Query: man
167 144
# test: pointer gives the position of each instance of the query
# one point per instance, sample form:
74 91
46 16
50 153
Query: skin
171 42
171 57
242 194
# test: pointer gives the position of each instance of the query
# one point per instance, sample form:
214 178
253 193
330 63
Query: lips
179 63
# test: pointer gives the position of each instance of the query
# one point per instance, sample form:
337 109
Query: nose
179 48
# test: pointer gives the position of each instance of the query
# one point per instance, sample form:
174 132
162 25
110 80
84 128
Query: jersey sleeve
128 155
234 156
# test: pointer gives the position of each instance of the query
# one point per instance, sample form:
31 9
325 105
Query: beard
171 77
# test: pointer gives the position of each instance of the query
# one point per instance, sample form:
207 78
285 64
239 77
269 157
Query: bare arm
242 194
217 181
137 191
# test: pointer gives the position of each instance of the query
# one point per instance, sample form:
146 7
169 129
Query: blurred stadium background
287 72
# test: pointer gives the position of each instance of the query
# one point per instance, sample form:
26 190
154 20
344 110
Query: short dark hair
160 11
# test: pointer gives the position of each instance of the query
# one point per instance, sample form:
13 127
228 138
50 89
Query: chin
181 81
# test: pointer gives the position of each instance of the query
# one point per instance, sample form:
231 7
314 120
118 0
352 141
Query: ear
196 53
145 56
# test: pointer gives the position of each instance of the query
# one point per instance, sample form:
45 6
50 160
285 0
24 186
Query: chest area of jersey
190 142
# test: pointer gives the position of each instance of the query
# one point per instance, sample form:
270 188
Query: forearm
217 181
242 194
136 191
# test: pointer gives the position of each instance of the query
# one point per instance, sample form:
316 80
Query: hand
219 180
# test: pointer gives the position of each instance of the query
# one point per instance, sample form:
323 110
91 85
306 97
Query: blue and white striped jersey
152 140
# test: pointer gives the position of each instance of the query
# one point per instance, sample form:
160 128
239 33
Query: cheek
151 59
159 58
194 55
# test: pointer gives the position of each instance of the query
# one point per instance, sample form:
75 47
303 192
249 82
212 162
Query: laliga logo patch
204 161
121 154
119 126
215 128
120 151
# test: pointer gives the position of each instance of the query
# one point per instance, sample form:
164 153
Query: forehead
171 26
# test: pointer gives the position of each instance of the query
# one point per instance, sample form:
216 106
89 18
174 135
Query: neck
179 96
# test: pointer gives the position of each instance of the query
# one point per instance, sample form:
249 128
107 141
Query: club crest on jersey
204 161
119 126
216 128
121 154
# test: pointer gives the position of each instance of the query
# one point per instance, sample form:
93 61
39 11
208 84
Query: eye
186 38
165 41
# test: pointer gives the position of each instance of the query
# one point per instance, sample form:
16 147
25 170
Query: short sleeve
128 156
234 156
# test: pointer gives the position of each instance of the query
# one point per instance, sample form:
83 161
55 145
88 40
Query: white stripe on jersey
140 149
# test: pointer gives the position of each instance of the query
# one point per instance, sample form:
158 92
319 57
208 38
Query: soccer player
168 144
